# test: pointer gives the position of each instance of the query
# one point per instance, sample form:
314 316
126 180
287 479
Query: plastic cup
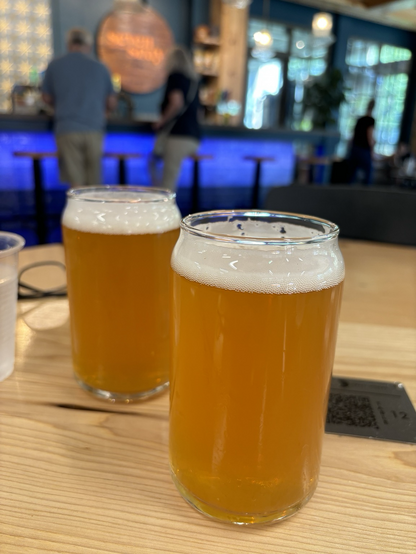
10 246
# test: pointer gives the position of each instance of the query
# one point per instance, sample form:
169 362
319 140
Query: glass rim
20 242
332 233
78 194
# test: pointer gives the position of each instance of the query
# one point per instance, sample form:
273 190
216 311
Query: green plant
325 96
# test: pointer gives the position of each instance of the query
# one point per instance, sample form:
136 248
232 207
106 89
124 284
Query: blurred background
282 85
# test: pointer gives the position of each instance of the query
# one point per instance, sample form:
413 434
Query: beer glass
118 245
256 299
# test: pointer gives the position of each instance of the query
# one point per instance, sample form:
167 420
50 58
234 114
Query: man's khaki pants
80 157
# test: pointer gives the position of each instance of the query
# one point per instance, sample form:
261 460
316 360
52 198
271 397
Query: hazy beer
254 332
118 244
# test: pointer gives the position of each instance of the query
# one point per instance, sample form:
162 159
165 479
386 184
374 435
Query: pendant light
263 39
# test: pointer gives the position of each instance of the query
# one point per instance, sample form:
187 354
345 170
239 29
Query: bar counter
21 122
81 476
237 168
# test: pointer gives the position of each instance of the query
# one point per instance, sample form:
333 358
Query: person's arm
47 88
47 98
111 103
111 97
370 137
175 104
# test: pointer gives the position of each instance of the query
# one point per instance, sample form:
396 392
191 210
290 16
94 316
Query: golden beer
254 333
118 245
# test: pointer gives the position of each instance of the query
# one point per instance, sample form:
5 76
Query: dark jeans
360 158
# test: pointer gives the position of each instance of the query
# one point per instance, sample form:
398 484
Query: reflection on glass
380 72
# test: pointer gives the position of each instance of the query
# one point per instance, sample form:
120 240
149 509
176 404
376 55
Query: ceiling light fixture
263 38
322 24
239 4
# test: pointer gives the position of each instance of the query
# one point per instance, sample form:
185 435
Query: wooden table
81 476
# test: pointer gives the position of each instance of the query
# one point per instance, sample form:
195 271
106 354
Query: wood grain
78 475
232 76
380 286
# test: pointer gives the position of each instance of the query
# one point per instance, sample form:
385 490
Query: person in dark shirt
361 155
178 129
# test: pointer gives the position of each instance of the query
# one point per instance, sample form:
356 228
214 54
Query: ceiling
397 13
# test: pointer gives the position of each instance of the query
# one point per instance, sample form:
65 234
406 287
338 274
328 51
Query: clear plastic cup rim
19 244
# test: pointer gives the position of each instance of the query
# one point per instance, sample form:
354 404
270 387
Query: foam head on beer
121 213
279 268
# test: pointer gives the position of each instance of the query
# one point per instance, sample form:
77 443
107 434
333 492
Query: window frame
283 118
378 74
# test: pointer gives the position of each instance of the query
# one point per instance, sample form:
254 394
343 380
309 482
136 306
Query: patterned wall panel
25 43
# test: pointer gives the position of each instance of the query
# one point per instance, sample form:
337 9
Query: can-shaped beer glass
118 245
256 300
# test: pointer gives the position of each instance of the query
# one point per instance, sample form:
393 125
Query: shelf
208 42
208 74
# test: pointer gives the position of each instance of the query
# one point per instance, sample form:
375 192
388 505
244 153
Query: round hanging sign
134 45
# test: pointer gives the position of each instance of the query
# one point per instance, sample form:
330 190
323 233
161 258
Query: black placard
371 409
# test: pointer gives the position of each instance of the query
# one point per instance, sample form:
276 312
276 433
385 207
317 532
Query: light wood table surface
78 475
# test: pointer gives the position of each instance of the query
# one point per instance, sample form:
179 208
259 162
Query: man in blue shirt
80 90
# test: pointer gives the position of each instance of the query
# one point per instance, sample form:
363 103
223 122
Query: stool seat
36 155
122 157
259 159
199 157
314 160
308 165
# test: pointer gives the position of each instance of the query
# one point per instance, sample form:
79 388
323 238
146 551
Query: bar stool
307 168
256 186
195 181
122 157
40 216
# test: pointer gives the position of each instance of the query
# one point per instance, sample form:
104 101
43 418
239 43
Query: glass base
237 518
121 397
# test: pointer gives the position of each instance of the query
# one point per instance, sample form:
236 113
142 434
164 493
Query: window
308 60
378 71
277 75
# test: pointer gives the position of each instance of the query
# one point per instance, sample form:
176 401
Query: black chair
367 213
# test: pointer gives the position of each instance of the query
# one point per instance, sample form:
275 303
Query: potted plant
324 96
